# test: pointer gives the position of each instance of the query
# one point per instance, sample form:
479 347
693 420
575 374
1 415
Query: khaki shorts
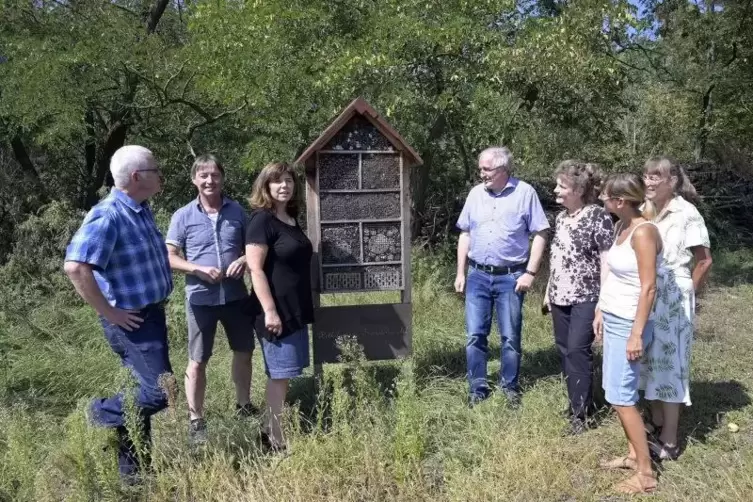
236 318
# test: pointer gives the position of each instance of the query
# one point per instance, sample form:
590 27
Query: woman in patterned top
583 235
665 370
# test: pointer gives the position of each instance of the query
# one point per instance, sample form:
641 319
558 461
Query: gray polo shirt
211 244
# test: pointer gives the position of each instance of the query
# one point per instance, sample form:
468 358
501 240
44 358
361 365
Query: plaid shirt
122 243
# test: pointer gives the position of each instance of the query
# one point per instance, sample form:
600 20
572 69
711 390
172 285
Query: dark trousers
573 334
145 352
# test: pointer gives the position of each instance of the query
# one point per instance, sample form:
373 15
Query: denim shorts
620 376
286 357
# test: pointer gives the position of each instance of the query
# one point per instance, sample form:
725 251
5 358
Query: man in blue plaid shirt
118 263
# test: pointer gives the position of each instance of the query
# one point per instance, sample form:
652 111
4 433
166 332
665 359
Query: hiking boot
246 411
197 431
577 426
476 399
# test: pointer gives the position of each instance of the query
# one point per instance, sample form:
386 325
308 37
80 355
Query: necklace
572 216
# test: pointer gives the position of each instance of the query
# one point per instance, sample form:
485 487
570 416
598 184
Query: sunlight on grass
396 430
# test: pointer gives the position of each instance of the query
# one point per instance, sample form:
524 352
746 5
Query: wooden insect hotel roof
360 107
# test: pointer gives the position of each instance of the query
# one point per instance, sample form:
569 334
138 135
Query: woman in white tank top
623 320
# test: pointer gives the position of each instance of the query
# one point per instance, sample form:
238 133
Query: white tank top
622 287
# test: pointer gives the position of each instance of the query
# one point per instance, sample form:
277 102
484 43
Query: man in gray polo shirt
206 240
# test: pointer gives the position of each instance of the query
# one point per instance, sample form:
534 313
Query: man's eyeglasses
152 170
488 170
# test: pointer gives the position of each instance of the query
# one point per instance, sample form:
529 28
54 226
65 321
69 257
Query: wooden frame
383 330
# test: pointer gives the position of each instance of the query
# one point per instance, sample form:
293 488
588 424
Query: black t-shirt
288 271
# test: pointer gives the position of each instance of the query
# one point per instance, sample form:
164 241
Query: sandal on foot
624 462
637 483
663 451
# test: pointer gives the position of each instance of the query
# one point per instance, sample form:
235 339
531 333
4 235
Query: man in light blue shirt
207 241
499 216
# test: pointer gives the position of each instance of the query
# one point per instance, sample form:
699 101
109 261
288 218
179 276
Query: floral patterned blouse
575 262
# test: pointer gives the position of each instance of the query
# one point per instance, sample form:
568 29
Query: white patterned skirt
665 368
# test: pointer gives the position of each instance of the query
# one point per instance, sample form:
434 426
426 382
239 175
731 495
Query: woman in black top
279 258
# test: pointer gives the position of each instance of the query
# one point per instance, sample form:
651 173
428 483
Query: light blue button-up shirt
500 225
211 244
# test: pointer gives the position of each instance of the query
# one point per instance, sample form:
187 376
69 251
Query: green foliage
34 271
257 81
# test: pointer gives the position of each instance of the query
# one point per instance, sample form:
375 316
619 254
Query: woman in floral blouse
583 235
687 259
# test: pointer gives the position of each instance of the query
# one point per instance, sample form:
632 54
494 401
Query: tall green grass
375 431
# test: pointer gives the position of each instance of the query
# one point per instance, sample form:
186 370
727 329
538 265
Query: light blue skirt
621 376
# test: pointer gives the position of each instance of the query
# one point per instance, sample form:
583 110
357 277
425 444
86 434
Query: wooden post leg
318 376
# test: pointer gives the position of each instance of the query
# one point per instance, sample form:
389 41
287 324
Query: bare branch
124 9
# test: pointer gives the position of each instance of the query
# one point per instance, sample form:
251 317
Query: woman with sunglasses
624 320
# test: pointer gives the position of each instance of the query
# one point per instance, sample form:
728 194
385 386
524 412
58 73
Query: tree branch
158 9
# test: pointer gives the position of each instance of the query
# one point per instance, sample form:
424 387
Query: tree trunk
421 182
22 157
100 176
699 152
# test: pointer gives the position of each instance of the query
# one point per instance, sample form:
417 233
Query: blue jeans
145 352
485 292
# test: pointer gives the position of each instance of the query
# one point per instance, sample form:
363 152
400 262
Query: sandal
662 451
637 484
619 463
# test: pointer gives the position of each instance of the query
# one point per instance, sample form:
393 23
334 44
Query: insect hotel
358 220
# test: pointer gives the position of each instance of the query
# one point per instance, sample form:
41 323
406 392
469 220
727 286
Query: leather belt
495 270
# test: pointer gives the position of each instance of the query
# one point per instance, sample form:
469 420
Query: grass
377 431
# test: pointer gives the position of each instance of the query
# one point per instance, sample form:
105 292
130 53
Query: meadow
386 431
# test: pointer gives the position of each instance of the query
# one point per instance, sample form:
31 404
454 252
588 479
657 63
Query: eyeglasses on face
488 170
152 170
653 178
605 197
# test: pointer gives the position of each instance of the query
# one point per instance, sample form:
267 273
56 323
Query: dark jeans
574 334
144 351
484 294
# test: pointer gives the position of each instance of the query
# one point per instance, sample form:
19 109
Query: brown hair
272 173
206 160
583 176
631 188
666 168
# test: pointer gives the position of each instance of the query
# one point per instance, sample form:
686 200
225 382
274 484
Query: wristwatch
532 274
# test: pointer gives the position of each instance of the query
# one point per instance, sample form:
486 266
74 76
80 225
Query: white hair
501 157
126 160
